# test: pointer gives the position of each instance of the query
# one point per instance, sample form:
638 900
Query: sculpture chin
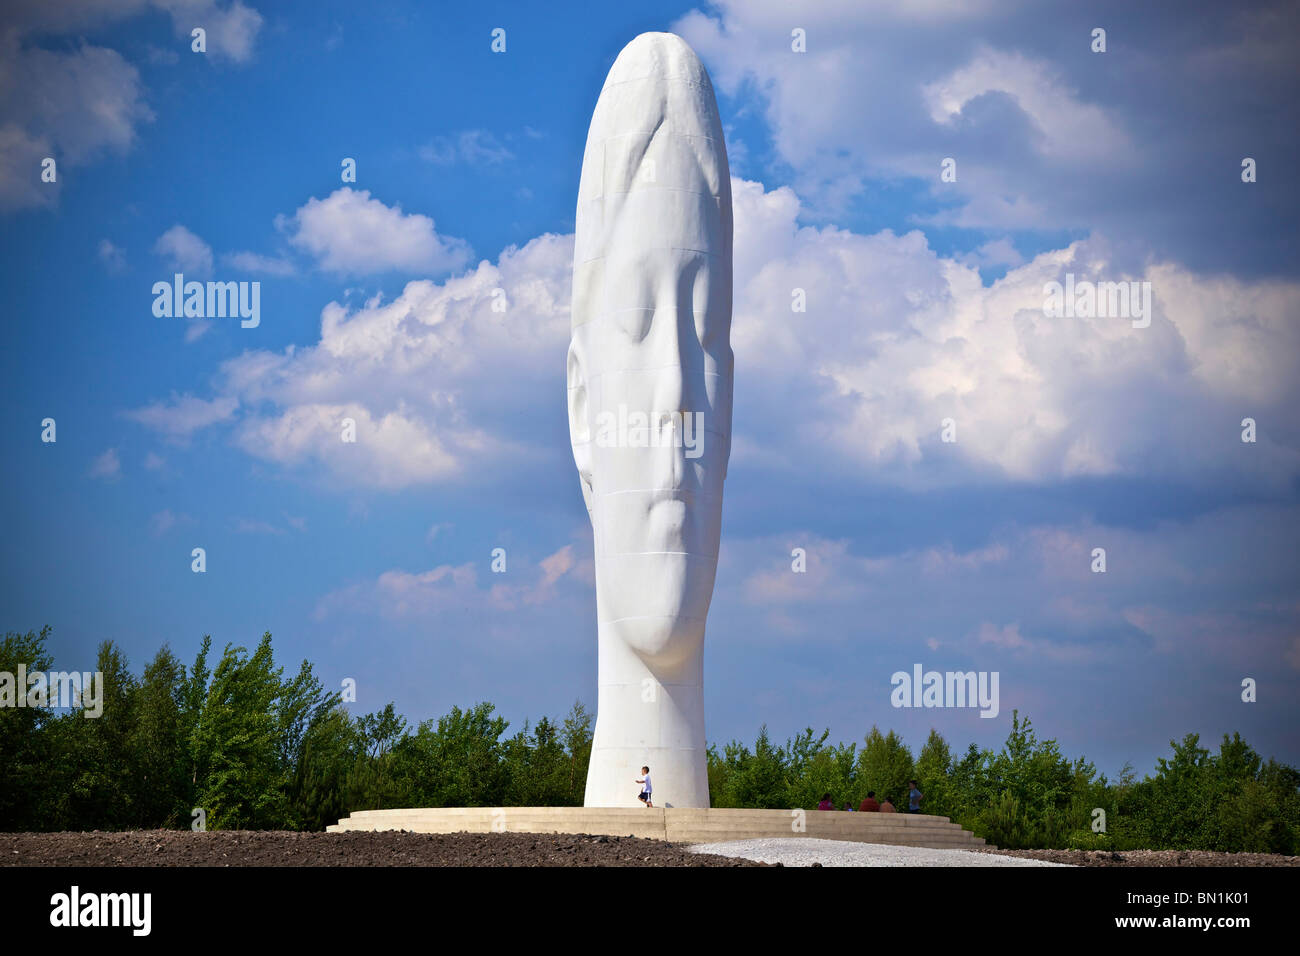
667 646
656 605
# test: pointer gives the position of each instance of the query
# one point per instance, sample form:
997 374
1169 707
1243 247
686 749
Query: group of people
871 805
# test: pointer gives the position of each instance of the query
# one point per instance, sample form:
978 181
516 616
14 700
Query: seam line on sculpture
596 376
653 132
606 316
637 554
691 78
645 308
638 491
651 617
646 187
698 252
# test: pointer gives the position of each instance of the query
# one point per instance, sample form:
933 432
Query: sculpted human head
650 361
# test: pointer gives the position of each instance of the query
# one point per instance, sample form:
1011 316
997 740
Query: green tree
25 754
885 766
576 733
933 772
455 762
156 745
237 744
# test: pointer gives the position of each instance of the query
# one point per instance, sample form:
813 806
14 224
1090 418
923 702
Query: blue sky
924 303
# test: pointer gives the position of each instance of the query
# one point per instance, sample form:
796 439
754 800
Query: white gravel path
805 851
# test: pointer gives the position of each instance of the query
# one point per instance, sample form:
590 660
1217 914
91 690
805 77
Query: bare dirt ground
386 848
400 848
1150 857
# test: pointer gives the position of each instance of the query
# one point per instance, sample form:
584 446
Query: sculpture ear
579 424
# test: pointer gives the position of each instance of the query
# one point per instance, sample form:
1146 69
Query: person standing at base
914 796
646 795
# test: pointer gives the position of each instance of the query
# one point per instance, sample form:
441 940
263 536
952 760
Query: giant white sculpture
650 386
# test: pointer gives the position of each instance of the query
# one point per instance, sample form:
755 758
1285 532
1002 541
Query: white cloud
163 521
231 29
259 264
183 251
111 256
107 466
195 329
70 106
75 104
430 378
350 233
1071 131
447 588
470 146
183 415
896 338
392 451
997 252
1047 135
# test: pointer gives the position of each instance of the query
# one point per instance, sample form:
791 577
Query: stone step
682 825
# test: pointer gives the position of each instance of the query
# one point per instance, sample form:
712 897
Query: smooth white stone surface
651 334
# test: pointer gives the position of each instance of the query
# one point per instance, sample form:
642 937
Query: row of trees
254 749
1028 794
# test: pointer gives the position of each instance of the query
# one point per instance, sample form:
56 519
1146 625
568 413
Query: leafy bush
1085 839
1005 824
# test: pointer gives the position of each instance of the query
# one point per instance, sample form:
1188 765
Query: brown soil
1151 857
385 848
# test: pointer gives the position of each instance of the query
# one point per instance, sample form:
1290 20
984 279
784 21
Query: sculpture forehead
656 82
655 54
654 201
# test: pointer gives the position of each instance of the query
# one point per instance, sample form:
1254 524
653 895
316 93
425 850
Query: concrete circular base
684 825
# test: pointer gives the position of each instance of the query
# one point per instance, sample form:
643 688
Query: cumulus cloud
895 340
79 103
72 106
350 233
183 251
1047 135
231 26
390 451
1068 129
433 381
